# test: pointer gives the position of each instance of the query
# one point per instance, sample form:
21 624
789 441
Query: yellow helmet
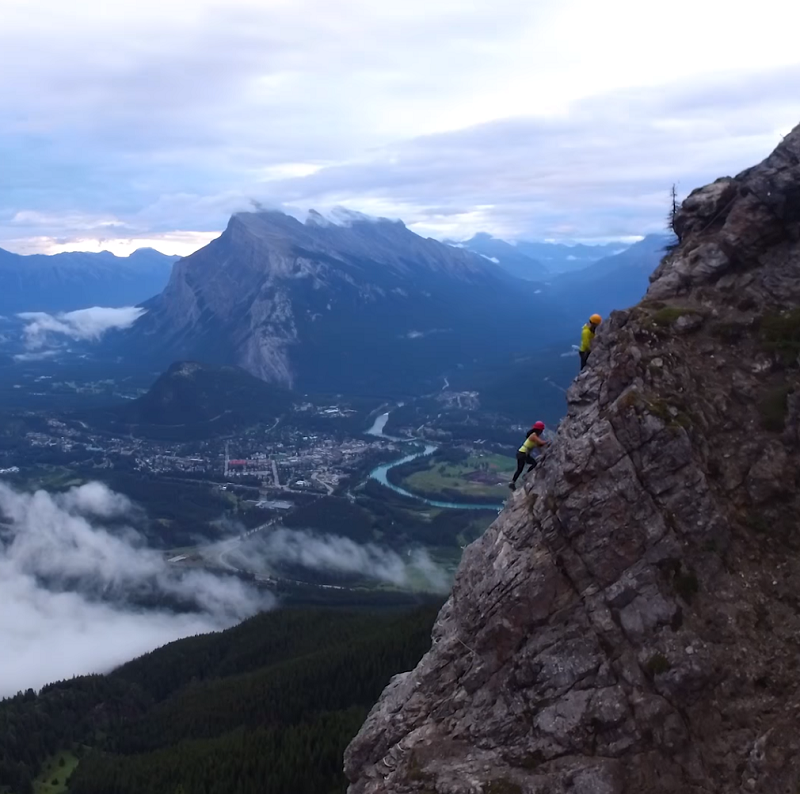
596 319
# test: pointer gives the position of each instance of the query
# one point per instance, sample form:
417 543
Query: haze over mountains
76 280
367 306
342 304
537 260
613 282
364 305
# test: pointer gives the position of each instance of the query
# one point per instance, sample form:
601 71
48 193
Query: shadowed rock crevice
630 623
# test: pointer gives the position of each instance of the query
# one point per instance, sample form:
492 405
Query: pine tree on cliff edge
671 217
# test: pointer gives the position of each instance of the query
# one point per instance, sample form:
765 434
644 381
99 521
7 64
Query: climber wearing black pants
522 459
524 452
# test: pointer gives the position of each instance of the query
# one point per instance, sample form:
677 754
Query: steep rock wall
631 621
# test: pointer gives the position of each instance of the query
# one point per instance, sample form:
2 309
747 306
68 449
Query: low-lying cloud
82 325
39 355
83 593
79 598
335 554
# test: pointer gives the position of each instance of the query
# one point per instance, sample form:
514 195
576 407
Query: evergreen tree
266 707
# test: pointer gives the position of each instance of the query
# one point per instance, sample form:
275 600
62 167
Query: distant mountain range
515 384
560 258
69 281
211 399
505 256
363 306
536 261
614 282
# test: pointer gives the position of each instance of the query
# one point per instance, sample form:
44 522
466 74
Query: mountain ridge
613 282
563 258
75 280
629 621
324 307
537 261
191 399
505 255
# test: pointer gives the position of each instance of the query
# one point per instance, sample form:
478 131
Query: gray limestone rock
629 624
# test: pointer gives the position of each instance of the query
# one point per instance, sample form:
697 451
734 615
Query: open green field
481 475
55 773
49 478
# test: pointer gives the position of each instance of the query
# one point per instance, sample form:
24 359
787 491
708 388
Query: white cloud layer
557 118
169 243
69 586
73 588
80 325
324 553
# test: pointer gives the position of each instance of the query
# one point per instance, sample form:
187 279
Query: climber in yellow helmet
587 337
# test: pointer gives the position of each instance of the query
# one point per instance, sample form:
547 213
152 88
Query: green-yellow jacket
530 442
587 337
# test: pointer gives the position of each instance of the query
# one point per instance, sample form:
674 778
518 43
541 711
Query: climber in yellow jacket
587 337
524 453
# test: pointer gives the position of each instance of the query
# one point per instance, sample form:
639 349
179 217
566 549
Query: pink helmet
538 426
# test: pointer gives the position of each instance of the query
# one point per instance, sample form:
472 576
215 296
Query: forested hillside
266 707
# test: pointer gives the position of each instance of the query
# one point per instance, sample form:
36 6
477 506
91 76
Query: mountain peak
149 253
322 302
336 227
727 226
344 217
197 397
482 237
316 219
629 621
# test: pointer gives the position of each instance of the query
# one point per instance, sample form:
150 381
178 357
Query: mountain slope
266 706
629 623
69 281
507 256
640 258
613 282
536 379
192 400
560 258
367 306
535 261
193 393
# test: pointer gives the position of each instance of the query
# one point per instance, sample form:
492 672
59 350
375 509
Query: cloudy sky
148 123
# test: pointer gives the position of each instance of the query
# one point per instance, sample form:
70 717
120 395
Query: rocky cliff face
631 622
